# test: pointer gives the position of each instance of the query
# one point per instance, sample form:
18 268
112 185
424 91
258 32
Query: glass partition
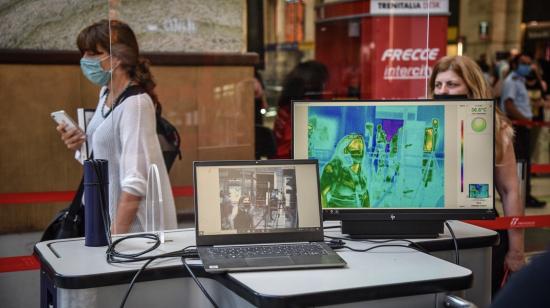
220 73
40 74
190 68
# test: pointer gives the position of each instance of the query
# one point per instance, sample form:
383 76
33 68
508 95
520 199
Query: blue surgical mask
91 68
523 70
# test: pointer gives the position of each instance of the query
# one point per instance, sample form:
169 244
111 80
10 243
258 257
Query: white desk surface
381 267
383 272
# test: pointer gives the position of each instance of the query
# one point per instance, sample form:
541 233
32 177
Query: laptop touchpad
269 261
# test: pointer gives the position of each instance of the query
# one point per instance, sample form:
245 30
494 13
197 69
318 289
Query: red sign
513 222
391 55
398 54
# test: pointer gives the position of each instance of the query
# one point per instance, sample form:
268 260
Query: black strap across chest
129 91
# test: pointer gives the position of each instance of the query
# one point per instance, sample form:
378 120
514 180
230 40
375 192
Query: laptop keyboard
237 252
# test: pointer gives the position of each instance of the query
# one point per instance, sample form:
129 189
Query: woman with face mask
123 131
461 77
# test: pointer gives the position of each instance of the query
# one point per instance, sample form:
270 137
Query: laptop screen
257 198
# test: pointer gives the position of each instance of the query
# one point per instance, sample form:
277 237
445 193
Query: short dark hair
514 62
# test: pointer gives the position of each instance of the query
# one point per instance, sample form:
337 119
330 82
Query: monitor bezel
405 214
256 238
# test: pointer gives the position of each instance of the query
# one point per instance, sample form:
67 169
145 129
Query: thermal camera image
479 191
378 156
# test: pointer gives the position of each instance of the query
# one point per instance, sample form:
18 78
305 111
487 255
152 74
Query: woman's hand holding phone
71 134
73 137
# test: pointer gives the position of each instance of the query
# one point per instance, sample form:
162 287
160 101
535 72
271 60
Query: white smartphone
61 117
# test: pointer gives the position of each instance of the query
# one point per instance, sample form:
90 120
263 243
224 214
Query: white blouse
127 139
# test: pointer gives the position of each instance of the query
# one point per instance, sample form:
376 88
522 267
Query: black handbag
69 222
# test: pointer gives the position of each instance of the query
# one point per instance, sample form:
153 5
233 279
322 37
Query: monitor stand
392 229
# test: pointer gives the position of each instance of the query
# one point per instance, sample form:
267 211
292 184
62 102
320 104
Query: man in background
515 103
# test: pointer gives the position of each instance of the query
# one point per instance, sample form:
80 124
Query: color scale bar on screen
462 156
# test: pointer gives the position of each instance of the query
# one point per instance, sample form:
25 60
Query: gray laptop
260 215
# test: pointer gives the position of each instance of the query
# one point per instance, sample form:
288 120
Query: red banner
520 222
531 123
18 264
540 168
63 196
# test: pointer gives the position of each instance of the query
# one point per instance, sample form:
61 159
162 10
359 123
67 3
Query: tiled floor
21 289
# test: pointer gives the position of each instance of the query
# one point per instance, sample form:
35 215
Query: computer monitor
399 168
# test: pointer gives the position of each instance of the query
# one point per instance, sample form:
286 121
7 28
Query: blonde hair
478 87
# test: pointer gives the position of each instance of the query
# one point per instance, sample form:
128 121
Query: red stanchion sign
518 222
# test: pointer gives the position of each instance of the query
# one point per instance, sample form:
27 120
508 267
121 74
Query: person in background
536 84
485 68
536 89
263 136
515 103
243 221
460 76
306 81
260 102
124 134
500 71
226 209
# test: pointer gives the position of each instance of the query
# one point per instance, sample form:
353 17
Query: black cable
198 283
133 282
335 244
183 253
369 241
414 244
457 260
113 256
381 246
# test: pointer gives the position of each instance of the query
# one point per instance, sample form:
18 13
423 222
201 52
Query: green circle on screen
479 124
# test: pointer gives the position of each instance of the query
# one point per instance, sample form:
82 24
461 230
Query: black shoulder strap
130 91
77 200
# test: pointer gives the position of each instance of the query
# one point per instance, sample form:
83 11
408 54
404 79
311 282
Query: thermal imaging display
378 156
410 154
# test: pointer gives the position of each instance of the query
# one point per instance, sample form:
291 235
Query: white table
73 274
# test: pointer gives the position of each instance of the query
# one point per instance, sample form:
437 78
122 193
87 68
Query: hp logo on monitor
392 216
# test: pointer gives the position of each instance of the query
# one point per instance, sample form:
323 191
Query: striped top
127 139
